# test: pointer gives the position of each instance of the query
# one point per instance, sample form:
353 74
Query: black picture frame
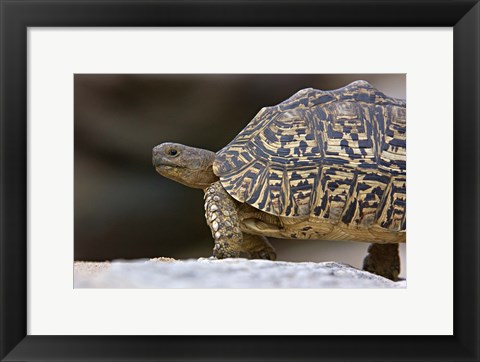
17 15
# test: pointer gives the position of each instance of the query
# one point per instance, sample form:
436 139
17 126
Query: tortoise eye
172 152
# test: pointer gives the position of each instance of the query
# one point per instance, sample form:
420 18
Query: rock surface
226 273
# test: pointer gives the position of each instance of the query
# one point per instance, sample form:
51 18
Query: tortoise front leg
383 260
222 216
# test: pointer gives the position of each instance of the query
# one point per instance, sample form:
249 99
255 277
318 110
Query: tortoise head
190 166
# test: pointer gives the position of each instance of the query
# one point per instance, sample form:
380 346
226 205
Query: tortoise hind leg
222 216
258 247
383 260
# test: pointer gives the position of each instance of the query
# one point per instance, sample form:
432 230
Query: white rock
230 273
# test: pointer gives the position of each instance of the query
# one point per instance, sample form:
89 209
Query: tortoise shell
333 155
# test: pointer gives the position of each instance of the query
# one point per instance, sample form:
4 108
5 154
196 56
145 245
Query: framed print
90 88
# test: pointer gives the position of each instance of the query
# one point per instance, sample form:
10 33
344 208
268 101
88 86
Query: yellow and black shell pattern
336 156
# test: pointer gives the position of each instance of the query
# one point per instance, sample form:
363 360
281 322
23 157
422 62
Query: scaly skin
383 260
221 214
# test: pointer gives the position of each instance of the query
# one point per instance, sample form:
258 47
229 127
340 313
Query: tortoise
326 165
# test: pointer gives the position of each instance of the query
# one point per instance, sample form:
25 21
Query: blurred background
124 209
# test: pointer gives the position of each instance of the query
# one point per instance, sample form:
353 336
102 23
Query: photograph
240 181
